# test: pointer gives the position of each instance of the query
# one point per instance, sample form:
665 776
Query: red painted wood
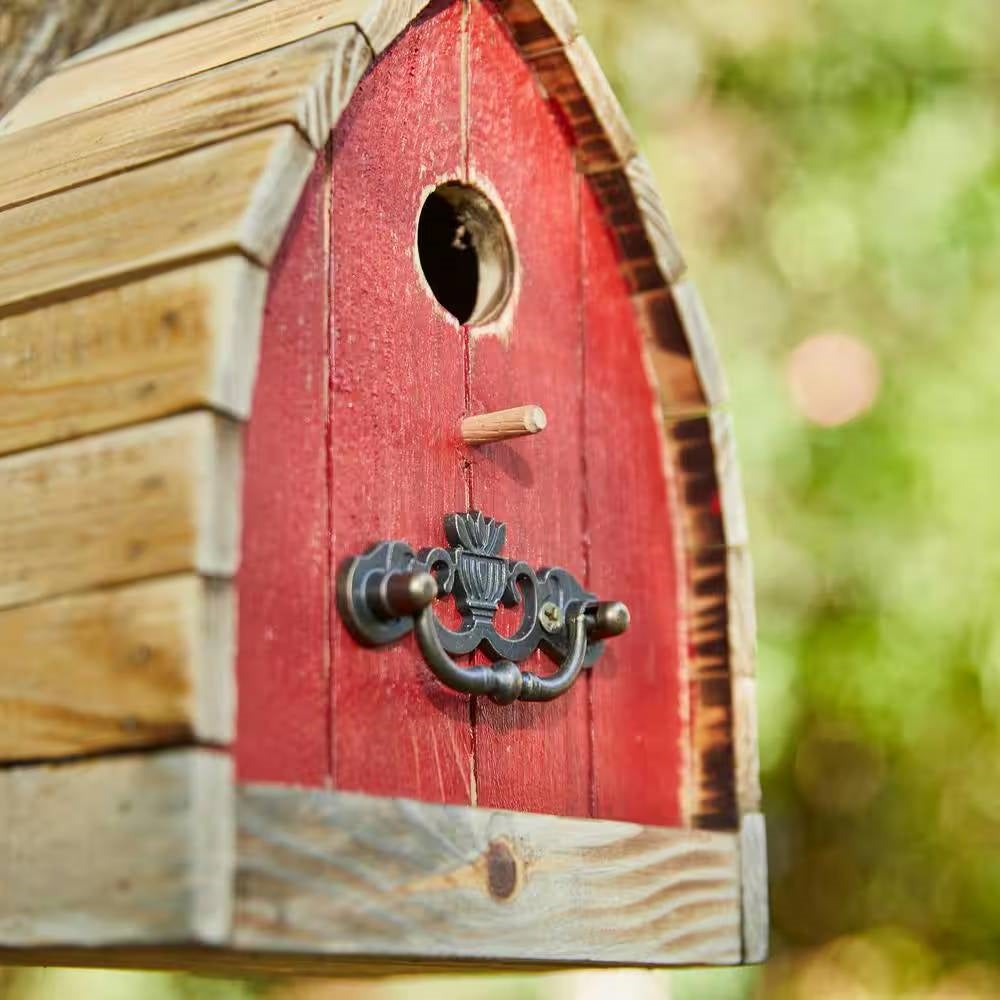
354 437
636 687
530 757
283 729
397 397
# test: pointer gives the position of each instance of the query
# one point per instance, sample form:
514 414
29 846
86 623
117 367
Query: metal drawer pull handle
390 591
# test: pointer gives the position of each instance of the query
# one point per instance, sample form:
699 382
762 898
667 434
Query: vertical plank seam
588 679
467 475
330 336
465 154
465 85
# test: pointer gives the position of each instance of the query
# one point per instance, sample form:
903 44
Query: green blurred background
832 170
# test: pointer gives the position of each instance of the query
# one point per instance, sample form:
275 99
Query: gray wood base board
157 860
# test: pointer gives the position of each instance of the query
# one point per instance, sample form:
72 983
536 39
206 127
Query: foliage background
832 168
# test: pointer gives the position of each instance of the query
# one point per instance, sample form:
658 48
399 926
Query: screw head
551 617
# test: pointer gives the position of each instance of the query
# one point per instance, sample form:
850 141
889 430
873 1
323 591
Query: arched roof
155 174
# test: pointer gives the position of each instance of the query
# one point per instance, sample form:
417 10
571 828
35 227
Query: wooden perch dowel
503 424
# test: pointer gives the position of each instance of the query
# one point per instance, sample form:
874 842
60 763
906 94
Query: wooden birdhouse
374 585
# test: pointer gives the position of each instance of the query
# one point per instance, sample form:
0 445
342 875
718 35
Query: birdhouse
374 586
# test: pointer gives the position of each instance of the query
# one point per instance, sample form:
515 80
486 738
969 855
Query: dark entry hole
465 253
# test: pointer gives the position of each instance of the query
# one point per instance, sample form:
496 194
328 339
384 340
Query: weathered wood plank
245 32
347 875
690 444
38 36
649 256
734 513
653 221
748 794
753 876
681 393
128 850
742 613
383 20
156 27
573 78
141 665
234 195
699 336
156 499
305 84
238 964
131 353
713 783
539 26
234 964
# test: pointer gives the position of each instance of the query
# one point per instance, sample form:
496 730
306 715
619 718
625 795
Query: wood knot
503 870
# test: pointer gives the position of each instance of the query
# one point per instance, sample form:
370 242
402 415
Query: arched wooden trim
216 110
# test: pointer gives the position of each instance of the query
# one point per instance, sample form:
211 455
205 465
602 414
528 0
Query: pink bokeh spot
834 378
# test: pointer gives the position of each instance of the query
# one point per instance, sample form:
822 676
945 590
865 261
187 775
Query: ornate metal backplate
389 591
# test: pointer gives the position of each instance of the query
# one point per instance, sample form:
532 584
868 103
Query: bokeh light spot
814 241
834 378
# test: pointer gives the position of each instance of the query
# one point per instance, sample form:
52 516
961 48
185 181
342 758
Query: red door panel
636 686
531 757
354 438
397 396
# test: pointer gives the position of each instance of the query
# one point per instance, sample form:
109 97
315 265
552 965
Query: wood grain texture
233 964
346 875
654 225
533 484
669 352
748 794
649 258
687 363
285 573
708 613
572 77
503 425
36 35
714 805
131 353
247 31
156 499
234 195
713 784
636 688
304 84
168 23
690 443
147 664
397 396
734 513
753 876
539 26
128 850
383 21
698 332
742 613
